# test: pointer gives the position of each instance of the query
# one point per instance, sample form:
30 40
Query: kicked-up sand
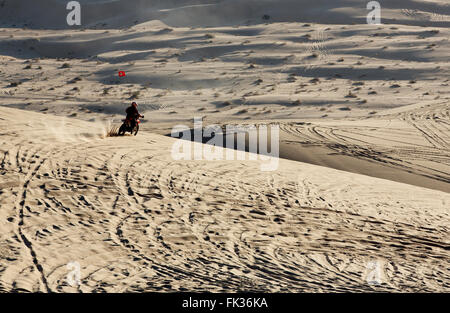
359 201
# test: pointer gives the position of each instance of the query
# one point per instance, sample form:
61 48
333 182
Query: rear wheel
122 130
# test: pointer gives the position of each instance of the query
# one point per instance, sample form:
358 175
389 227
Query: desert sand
364 167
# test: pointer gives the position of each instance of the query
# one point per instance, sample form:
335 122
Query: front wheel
136 129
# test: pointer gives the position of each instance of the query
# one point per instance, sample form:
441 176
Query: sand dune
137 221
210 13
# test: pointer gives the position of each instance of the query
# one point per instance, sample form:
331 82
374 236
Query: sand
364 167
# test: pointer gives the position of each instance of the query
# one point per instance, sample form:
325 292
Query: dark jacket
132 112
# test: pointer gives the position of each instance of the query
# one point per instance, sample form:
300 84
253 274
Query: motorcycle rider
132 114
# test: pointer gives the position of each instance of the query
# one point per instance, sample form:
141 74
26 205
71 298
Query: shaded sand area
137 221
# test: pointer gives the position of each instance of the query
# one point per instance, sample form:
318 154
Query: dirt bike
127 127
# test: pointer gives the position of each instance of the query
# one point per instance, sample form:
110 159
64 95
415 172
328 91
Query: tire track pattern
137 221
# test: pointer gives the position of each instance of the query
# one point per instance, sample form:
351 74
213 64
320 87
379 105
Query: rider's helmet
134 104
